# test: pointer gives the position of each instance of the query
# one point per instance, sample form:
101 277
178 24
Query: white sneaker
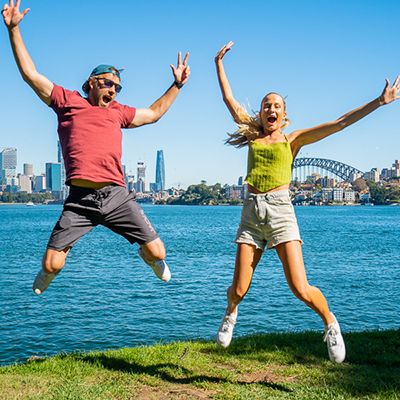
334 339
159 267
225 331
42 281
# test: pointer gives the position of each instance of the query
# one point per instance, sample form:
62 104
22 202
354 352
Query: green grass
271 366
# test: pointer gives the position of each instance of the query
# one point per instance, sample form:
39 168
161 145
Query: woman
268 217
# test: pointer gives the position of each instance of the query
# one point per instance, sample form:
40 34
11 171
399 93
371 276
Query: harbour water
107 298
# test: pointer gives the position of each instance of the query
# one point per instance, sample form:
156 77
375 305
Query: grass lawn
270 366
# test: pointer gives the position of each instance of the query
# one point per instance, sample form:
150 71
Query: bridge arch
343 171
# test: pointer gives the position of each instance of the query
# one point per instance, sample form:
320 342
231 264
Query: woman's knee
236 293
302 292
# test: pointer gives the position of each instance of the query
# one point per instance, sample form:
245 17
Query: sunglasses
108 83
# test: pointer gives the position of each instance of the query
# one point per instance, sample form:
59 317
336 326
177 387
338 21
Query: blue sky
327 57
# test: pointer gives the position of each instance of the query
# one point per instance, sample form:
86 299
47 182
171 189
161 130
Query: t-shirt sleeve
127 115
58 97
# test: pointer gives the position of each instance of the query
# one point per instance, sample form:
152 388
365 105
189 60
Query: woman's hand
390 93
220 55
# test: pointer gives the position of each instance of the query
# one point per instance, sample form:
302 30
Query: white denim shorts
268 219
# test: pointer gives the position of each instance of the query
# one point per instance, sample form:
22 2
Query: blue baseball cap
99 70
106 69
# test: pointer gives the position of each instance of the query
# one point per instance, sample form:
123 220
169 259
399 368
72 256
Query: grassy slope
272 366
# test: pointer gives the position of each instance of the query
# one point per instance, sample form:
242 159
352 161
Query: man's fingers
179 58
396 82
185 59
18 2
11 3
25 11
173 68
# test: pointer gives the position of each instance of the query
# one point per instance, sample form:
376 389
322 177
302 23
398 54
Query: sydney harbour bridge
305 166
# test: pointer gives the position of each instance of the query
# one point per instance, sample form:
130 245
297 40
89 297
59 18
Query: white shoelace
331 335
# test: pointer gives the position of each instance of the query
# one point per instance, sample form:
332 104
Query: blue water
106 298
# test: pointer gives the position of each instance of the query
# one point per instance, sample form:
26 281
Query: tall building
160 171
39 184
140 186
64 188
25 183
8 165
53 179
28 169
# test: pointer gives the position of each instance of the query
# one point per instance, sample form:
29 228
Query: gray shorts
268 219
111 206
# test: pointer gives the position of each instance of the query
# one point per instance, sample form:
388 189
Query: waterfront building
25 183
241 181
236 192
160 171
8 165
327 182
39 183
386 173
140 185
396 169
327 195
28 169
372 175
338 194
349 196
314 177
53 179
131 183
365 198
64 189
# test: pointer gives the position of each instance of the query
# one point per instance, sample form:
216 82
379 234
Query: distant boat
29 204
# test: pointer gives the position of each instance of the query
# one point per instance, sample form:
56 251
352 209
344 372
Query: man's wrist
178 85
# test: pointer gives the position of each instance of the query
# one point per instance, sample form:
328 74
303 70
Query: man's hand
182 70
11 14
390 93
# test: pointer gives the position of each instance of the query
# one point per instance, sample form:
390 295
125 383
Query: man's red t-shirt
90 136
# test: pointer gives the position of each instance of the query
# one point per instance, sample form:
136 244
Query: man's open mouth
107 99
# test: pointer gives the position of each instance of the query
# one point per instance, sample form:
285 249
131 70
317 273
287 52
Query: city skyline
160 174
307 56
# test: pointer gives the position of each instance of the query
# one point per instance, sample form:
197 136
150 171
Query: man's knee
54 260
155 249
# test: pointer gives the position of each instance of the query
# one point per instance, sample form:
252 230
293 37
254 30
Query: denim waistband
269 196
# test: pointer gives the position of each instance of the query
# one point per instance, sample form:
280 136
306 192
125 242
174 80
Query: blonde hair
250 126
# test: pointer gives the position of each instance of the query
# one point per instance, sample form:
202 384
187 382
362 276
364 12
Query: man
90 134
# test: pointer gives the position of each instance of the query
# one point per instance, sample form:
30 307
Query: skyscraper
140 186
8 165
53 179
64 188
160 171
28 169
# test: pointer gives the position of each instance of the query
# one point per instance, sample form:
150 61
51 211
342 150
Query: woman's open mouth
271 120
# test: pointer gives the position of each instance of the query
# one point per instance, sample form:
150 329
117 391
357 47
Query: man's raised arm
152 114
39 83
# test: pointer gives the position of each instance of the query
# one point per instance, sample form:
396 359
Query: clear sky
327 57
